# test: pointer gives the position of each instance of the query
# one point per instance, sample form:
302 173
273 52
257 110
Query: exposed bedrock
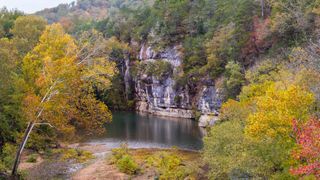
160 96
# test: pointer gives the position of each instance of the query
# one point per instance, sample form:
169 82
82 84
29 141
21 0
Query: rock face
160 96
207 120
210 100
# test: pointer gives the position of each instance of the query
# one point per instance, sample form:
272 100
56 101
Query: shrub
69 154
131 104
234 79
118 153
76 154
162 68
177 99
40 139
2 167
197 114
181 80
32 158
234 110
307 152
8 155
157 68
84 155
124 161
127 165
168 165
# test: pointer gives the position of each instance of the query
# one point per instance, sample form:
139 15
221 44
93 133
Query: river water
147 131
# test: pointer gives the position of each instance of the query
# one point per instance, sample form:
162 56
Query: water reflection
151 131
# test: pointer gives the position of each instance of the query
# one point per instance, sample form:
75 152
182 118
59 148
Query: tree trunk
21 147
262 8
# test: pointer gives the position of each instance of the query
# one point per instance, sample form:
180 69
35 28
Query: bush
118 153
234 110
168 165
197 114
131 104
177 100
124 160
162 68
2 167
32 158
225 149
234 79
75 154
159 68
127 165
115 96
8 156
40 139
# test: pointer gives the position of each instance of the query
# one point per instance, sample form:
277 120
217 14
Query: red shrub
308 152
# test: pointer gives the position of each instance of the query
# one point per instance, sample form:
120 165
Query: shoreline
99 167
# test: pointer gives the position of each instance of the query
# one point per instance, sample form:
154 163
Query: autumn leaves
56 85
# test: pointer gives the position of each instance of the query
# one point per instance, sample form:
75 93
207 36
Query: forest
66 71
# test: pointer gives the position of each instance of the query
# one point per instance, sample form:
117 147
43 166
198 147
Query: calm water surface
147 131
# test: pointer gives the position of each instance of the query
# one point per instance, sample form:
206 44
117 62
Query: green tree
7 19
234 79
224 149
293 20
217 50
26 32
10 121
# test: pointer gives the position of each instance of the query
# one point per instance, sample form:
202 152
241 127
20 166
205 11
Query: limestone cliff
161 96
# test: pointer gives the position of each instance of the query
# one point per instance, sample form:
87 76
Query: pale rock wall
157 96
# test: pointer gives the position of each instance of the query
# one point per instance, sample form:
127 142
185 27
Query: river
148 131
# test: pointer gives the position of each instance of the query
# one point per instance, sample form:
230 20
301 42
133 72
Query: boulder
208 120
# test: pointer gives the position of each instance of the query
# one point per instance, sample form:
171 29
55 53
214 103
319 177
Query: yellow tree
92 55
56 88
94 50
275 111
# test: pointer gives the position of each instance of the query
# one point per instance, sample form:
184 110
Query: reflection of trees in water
154 129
